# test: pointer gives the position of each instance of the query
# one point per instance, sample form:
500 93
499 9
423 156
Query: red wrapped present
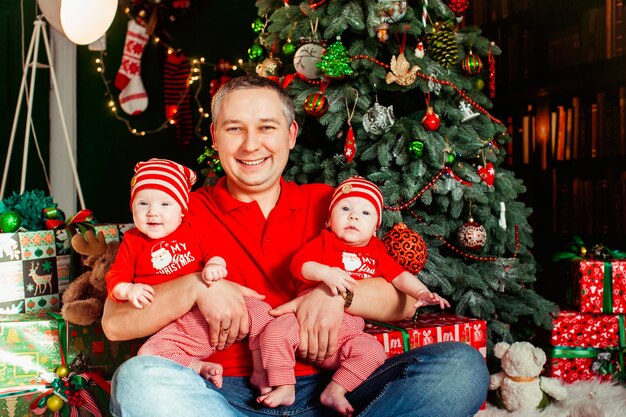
600 286
399 337
587 346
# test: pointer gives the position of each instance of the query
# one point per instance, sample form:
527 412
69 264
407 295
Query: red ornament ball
458 7
407 247
472 64
315 105
472 235
431 120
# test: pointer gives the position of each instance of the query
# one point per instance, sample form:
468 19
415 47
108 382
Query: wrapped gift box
399 337
17 405
586 346
36 267
30 346
29 271
600 286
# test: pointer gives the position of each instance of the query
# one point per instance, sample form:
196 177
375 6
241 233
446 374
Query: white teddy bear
520 386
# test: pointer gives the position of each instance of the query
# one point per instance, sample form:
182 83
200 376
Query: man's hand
224 309
319 315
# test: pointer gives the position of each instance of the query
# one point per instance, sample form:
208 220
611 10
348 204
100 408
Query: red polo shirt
258 251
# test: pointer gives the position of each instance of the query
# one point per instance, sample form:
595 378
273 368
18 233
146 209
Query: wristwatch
347 297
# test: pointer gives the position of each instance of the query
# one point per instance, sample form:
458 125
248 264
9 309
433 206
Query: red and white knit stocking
176 95
133 98
136 39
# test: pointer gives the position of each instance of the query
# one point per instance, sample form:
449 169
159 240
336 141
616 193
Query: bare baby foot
334 396
258 379
213 372
281 395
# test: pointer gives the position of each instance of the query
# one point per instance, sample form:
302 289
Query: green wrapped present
31 346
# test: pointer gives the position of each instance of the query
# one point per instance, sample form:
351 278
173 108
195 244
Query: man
260 221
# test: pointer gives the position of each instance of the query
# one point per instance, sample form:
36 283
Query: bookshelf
561 88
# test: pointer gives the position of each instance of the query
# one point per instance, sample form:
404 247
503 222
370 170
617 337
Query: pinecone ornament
441 45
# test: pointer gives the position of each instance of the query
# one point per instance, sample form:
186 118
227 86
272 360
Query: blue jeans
440 380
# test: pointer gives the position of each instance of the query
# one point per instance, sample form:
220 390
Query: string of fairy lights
193 86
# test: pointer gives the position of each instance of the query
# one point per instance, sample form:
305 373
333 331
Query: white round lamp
85 21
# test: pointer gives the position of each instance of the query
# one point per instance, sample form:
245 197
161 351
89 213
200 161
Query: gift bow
578 251
81 220
608 361
72 389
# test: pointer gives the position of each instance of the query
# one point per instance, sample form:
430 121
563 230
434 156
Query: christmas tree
399 94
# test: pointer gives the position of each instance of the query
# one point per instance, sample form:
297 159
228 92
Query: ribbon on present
54 217
577 251
607 292
608 360
80 222
406 342
67 392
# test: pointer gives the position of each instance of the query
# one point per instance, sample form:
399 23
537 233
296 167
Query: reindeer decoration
41 281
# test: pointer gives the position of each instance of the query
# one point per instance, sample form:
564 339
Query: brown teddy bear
83 300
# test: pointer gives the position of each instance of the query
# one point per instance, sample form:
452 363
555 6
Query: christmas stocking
176 95
133 98
136 39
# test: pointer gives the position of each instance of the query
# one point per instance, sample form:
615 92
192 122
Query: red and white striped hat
162 174
359 187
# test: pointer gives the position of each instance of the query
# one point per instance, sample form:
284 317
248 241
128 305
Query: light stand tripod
32 64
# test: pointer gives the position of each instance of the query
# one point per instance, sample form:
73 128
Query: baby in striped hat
163 247
159 197
347 251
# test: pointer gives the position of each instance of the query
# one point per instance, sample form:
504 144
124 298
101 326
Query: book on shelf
576 127
593 40
601 133
569 134
564 48
622 120
619 27
554 117
594 130
526 138
561 128
614 21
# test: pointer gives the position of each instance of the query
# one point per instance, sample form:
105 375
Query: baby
162 247
347 252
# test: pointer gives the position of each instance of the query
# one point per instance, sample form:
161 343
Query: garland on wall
182 76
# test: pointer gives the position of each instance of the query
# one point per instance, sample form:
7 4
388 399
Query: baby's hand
338 281
213 272
140 295
427 298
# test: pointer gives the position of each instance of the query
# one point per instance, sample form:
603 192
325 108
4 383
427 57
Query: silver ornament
468 113
378 119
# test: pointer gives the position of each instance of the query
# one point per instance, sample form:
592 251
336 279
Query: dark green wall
107 151
13 52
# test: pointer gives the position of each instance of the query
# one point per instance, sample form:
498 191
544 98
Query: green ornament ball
10 221
257 52
289 48
480 84
217 167
415 149
450 158
257 25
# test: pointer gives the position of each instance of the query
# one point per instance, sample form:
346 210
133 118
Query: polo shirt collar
290 194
